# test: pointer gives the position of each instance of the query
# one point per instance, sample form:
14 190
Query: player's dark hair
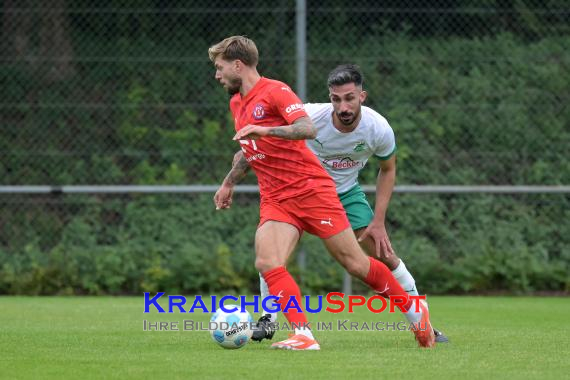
344 74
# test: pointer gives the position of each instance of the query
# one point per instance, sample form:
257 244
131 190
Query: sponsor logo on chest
341 163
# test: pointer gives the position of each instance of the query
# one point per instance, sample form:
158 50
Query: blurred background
121 93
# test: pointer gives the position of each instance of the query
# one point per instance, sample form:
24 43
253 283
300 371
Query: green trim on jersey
384 158
357 208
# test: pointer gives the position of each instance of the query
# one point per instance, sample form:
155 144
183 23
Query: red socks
281 284
381 280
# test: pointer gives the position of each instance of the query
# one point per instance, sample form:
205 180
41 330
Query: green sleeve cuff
384 158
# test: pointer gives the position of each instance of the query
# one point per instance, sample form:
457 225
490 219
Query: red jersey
284 168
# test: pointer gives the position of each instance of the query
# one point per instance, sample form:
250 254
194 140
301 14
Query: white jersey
343 155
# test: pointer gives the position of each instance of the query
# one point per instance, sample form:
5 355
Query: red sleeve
287 103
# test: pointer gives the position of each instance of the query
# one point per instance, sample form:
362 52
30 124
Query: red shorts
319 212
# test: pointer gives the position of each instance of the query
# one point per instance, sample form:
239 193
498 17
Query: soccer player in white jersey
348 134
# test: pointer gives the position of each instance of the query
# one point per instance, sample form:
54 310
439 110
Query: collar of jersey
253 89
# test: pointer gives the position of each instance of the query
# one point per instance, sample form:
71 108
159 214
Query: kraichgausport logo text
335 303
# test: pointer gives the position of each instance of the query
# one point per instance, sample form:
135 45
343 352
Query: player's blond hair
235 47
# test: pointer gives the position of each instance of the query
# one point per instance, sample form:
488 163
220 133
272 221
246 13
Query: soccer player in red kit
296 192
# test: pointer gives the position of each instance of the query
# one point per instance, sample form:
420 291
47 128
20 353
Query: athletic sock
405 279
381 280
282 285
264 290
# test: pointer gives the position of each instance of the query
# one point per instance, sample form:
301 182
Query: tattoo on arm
301 129
238 172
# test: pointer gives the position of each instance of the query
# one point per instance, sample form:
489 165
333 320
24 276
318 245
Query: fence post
301 38
347 283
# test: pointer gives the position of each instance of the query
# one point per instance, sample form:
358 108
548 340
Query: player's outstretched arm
223 197
301 129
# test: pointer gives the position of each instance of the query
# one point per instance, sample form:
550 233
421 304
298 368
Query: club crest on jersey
258 112
359 147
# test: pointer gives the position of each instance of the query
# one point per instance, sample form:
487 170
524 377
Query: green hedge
459 118
452 244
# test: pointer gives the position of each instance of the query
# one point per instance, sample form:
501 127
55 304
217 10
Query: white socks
405 279
264 290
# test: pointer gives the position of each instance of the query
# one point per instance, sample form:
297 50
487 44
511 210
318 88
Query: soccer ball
231 330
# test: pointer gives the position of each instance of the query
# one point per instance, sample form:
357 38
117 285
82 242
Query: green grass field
103 337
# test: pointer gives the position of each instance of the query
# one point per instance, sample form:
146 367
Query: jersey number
246 142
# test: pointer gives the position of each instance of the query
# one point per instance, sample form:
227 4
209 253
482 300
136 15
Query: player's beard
346 118
233 86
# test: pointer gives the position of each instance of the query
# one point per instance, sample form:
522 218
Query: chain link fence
123 93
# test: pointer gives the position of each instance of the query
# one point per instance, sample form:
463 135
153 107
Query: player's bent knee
263 264
351 269
391 261
356 269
